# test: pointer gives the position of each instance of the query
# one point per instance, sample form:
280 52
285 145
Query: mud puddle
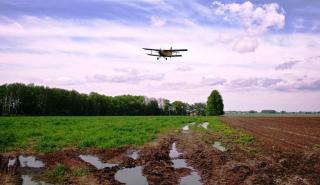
193 178
95 161
12 162
134 154
27 180
173 151
30 161
204 125
219 146
179 163
185 129
131 176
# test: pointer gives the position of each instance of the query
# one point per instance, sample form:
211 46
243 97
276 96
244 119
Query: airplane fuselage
165 53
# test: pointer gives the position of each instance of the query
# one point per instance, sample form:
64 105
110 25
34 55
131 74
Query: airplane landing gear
157 58
166 59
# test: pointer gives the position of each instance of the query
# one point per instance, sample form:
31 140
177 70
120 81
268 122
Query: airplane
165 53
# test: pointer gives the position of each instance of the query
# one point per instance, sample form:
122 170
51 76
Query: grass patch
79 172
58 171
47 134
316 146
230 134
7 140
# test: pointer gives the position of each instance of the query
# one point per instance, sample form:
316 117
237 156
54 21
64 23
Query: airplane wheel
166 59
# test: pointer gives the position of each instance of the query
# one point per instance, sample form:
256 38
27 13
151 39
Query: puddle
179 163
192 179
131 176
134 154
217 145
95 161
173 152
185 129
12 162
27 180
204 125
30 161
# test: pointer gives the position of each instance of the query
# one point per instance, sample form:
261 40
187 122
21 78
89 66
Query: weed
78 172
58 171
233 135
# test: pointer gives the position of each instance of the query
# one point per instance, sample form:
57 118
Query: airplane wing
176 56
154 55
174 50
151 49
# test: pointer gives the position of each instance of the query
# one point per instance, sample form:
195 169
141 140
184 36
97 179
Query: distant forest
21 99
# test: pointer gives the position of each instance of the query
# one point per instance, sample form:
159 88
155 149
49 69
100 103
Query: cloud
267 82
212 81
158 21
172 86
184 68
300 85
255 18
287 65
312 86
245 45
253 83
125 76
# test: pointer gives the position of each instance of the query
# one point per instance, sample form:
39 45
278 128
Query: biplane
165 53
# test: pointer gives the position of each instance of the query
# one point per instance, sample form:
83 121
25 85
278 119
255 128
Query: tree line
22 99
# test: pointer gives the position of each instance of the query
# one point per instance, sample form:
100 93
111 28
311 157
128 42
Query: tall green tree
215 104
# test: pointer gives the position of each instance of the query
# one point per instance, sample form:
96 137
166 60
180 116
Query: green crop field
47 134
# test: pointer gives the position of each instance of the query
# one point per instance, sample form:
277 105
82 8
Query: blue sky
305 13
260 54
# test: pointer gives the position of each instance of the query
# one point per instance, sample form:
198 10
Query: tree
179 108
215 104
22 99
198 109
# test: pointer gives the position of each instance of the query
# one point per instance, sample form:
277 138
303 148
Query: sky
259 54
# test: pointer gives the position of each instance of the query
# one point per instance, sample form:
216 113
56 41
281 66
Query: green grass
58 171
230 134
47 134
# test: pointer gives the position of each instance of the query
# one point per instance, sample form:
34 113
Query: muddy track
156 163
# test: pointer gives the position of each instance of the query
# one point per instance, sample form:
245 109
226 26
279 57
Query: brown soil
287 133
277 161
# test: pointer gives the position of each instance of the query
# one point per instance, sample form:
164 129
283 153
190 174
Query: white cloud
212 81
245 45
158 21
184 68
255 18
